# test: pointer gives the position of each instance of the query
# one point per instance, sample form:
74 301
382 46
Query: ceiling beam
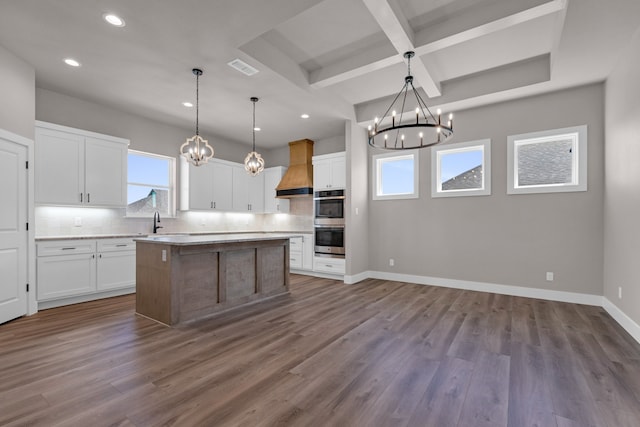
463 28
397 29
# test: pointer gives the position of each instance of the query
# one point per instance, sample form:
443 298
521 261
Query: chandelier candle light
254 163
405 133
197 150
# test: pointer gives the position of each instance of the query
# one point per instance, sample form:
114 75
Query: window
150 184
395 176
462 169
548 162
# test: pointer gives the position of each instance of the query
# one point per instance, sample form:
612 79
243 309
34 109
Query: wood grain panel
240 274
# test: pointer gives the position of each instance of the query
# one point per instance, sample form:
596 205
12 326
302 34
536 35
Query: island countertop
190 240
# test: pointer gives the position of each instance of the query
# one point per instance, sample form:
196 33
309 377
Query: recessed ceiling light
257 129
187 104
71 62
114 20
305 116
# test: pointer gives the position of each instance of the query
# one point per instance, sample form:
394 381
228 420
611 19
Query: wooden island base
184 278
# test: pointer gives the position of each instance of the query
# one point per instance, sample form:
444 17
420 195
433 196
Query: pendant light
406 132
197 150
254 163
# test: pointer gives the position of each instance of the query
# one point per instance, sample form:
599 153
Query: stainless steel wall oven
329 223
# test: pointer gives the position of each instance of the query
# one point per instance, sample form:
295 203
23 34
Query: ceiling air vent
243 67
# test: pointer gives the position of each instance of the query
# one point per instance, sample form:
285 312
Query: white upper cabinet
75 167
329 171
248 191
272 177
206 187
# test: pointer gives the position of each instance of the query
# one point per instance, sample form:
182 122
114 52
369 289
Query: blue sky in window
145 170
453 164
397 176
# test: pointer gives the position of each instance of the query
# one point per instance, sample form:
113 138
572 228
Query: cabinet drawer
329 265
295 243
113 245
66 247
295 259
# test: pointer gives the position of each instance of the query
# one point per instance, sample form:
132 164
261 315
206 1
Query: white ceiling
332 59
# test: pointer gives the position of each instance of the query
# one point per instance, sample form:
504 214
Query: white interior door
13 233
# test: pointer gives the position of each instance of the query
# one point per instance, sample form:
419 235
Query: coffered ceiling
331 59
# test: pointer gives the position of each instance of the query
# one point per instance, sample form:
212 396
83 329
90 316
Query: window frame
438 151
377 159
171 188
579 161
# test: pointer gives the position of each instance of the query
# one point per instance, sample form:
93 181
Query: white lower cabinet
301 253
74 268
329 265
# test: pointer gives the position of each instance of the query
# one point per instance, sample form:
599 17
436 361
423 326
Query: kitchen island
182 278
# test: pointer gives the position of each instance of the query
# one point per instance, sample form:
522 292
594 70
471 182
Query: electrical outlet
549 276
357 211
164 255
392 262
619 292
77 221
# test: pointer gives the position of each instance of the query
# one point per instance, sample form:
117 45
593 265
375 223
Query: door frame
32 303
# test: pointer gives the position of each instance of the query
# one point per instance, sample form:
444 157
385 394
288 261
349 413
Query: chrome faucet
156 221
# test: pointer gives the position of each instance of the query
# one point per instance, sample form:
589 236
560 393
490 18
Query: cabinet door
307 252
256 193
338 173
66 275
201 186
222 187
59 167
272 177
116 270
322 174
105 173
240 189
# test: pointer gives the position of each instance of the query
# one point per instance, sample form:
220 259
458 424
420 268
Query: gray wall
503 239
17 99
622 177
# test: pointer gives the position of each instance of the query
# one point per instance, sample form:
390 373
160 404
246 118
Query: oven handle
330 198
329 226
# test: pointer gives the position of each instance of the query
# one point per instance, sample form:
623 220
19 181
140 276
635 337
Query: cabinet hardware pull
81 198
93 256
214 205
68 249
121 246
328 265
100 255
211 205
88 197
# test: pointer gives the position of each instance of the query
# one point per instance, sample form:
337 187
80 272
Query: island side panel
240 275
198 285
273 265
153 282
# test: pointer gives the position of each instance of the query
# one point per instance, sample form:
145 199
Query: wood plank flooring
378 353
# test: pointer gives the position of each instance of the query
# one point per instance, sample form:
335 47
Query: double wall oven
329 223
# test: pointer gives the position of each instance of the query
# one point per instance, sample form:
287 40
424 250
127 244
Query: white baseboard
518 291
43 305
355 278
619 316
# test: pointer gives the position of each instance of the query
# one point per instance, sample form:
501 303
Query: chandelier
197 150
404 131
254 163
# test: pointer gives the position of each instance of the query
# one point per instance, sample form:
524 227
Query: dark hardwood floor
377 353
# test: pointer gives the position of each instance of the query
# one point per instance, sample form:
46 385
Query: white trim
355 278
518 291
579 161
67 129
482 145
623 320
376 177
43 305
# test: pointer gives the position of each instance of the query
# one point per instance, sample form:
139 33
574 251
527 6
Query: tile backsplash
68 221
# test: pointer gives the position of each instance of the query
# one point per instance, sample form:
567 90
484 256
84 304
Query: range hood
298 180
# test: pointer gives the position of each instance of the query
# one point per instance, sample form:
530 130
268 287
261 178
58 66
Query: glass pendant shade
196 149
254 163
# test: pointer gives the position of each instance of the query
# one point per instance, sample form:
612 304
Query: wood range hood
298 180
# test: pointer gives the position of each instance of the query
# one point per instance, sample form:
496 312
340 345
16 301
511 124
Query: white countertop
187 240
140 236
